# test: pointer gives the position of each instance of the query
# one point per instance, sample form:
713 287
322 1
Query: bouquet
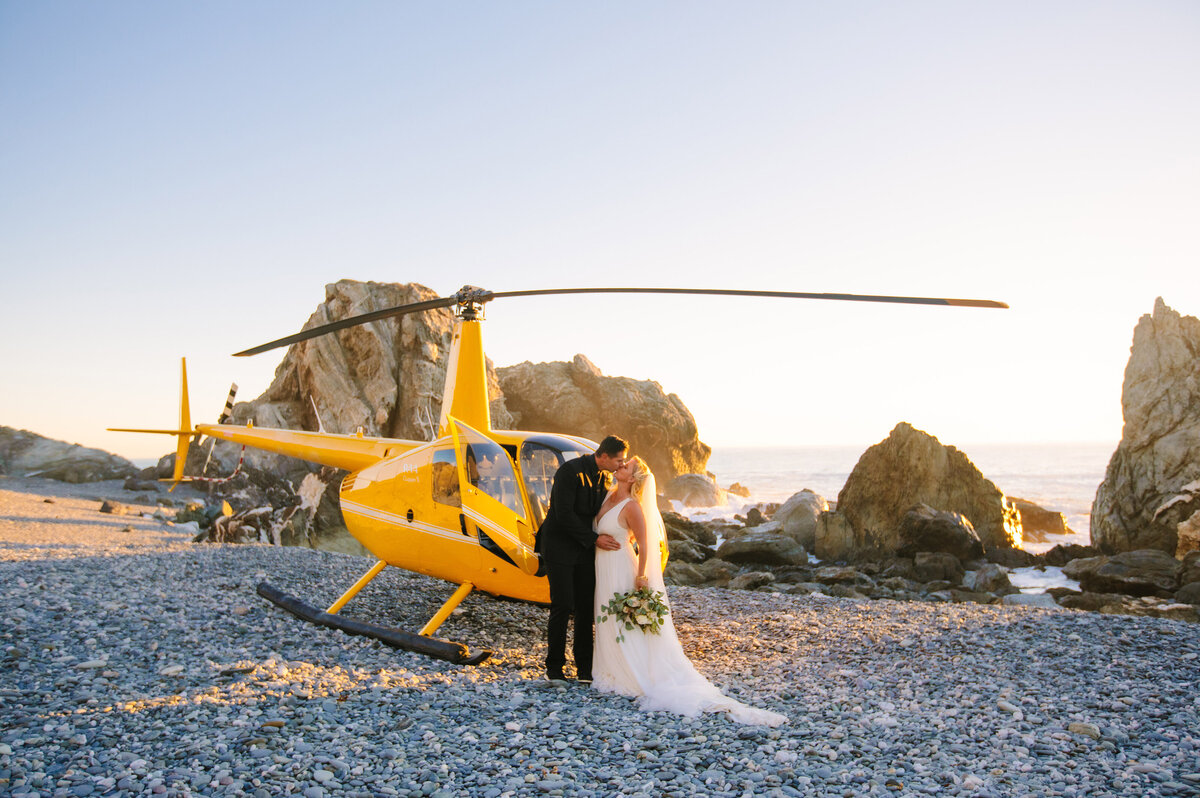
643 609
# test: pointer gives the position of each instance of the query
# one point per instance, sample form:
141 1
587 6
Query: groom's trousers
572 592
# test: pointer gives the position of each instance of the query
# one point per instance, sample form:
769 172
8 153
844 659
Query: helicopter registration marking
399 520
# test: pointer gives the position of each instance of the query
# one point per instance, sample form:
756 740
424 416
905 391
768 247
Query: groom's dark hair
612 445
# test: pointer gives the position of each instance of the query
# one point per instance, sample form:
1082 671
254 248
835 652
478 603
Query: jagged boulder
990 578
695 490
925 529
799 514
766 548
1144 572
912 467
1064 553
1037 522
1189 569
681 528
576 398
1152 484
938 566
27 454
834 538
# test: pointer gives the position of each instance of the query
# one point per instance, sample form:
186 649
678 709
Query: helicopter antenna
317 413
469 300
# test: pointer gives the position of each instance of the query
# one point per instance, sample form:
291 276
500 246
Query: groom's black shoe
585 678
555 676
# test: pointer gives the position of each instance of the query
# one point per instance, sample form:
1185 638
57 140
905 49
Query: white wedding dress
651 667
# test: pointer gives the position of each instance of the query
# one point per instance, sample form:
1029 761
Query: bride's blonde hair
641 472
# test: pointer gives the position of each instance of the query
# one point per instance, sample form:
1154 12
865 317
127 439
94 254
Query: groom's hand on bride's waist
607 542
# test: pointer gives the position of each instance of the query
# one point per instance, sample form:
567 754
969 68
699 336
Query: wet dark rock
1063 553
716 571
972 597
1144 572
990 578
139 484
836 574
751 580
767 548
681 528
937 566
1091 601
688 551
1011 557
1189 568
922 528
682 573
1189 593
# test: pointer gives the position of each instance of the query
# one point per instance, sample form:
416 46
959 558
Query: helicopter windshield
540 459
489 469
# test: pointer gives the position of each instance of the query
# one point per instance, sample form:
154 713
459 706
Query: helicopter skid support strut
396 638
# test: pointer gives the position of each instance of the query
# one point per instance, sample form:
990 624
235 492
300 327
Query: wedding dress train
651 667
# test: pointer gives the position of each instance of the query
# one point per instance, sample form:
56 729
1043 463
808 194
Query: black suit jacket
566 536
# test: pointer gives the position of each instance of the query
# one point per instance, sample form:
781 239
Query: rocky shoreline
138 663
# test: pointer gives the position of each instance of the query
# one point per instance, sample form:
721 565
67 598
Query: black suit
567 544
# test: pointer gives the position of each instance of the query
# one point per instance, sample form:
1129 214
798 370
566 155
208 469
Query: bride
650 667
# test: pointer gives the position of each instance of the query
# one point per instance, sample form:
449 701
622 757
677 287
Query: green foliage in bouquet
643 609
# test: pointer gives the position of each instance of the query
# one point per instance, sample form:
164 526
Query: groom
568 546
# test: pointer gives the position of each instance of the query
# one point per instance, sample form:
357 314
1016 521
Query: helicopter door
491 497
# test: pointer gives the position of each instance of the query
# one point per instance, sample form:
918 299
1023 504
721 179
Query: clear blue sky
184 179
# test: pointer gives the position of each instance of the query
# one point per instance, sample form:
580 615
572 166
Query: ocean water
1059 477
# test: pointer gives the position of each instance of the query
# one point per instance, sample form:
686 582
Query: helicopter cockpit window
445 478
489 469
539 462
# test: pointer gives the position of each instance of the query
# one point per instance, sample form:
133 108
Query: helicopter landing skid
396 638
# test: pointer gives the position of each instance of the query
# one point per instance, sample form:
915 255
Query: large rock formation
1145 495
576 398
912 467
24 453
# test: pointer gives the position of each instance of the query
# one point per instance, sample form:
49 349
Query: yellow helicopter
464 507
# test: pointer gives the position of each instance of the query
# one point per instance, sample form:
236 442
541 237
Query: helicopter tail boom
350 452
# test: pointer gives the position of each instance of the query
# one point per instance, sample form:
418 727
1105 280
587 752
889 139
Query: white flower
643 620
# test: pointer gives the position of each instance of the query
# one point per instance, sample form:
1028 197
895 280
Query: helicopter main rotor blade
470 294
363 318
906 300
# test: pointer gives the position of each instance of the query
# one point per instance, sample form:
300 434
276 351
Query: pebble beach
134 662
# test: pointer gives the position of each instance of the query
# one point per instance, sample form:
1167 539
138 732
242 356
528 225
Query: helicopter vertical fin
184 436
466 397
